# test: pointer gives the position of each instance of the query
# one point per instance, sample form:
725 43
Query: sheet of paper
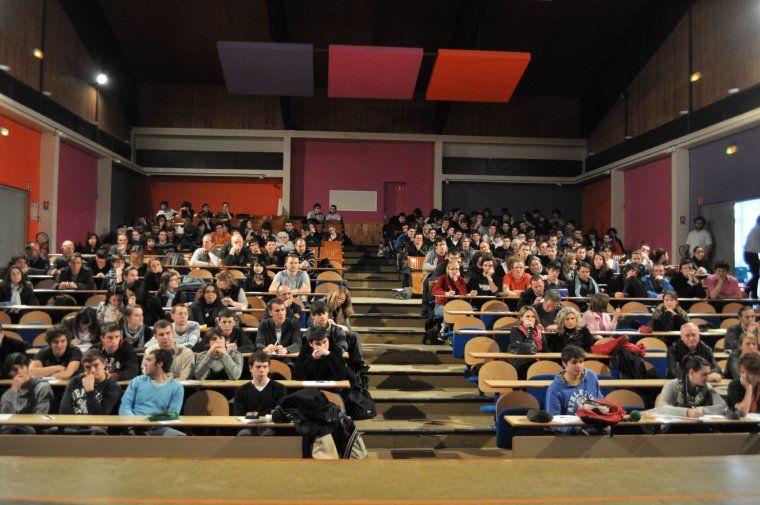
567 419
754 416
170 421
713 416
5 417
189 382
667 419
51 380
317 383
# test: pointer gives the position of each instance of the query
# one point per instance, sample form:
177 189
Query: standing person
93 392
751 251
572 387
689 394
154 391
119 357
699 237
259 396
26 395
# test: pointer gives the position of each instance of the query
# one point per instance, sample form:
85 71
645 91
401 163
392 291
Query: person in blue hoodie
656 284
571 387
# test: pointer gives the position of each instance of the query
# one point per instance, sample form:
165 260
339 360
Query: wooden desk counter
135 421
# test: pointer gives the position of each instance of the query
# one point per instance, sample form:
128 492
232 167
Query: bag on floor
359 404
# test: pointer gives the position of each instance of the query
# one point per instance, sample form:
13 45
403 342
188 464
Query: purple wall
648 205
77 194
716 177
317 166
518 198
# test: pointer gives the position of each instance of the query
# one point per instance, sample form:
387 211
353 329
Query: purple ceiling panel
267 68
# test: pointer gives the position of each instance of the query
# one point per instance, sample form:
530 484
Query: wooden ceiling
174 41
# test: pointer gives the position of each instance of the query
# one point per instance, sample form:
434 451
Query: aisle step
436 432
416 377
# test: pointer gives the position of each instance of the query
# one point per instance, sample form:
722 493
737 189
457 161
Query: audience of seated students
292 276
27 394
320 319
155 391
59 359
689 394
84 327
75 276
93 392
534 293
16 288
227 321
743 390
183 359
119 357
134 330
572 387
570 330
277 333
687 345
258 279
259 396
319 361
720 285
186 332
748 343
448 285
207 305
596 317
219 361
669 316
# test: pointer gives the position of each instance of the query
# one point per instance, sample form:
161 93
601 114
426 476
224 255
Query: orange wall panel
596 211
245 195
20 165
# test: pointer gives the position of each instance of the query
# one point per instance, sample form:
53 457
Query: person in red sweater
516 281
448 285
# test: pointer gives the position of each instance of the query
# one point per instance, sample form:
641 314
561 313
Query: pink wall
648 205
317 166
77 194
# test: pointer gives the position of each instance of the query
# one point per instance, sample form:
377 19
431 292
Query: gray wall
717 178
518 198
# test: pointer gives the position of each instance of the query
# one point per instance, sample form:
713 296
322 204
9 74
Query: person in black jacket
92 393
533 294
236 253
75 276
258 279
259 396
278 334
320 318
668 316
206 306
168 293
743 391
237 339
84 327
16 288
120 358
9 346
134 330
318 362
570 331
689 345
685 283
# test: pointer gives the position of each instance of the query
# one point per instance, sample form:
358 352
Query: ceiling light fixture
730 150
4 131
5 68
683 112
695 76
38 53
733 91
101 79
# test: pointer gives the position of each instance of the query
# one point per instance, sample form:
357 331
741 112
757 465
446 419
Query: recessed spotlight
683 112
695 76
4 131
38 53
47 93
733 91
628 137
730 150
101 79
5 68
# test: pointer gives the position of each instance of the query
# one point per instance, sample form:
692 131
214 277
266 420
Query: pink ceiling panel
373 72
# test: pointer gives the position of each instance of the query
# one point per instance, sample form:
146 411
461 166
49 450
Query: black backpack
359 403
629 365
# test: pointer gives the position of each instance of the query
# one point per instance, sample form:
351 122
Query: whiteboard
356 201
